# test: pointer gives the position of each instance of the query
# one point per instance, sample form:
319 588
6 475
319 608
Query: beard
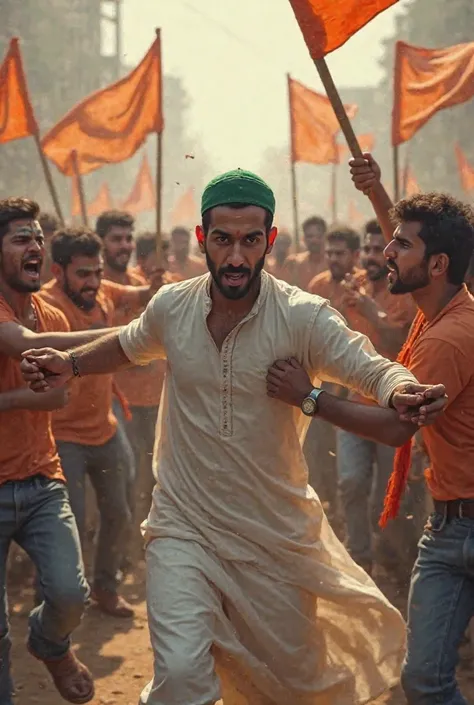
114 264
375 274
231 292
78 299
415 279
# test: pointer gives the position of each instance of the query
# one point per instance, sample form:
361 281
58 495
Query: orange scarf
401 466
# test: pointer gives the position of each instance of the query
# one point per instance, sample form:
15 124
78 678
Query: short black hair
372 227
447 226
12 209
315 220
49 222
109 219
206 217
181 230
68 243
146 244
348 235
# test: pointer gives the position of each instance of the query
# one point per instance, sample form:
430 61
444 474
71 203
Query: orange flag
410 184
314 126
326 24
142 197
428 80
111 124
185 211
366 143
102 202
466 171
16 113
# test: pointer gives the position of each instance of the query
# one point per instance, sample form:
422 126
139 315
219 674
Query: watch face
308 406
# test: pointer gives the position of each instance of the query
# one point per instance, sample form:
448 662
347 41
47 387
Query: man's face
81 279
118 247
235 247
373 258
149 264
340 259
282 246
314 239
405 254
22 254
181 243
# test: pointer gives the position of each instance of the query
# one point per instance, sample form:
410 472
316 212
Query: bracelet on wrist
75 366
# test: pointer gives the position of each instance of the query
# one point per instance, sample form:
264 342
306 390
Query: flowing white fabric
303 622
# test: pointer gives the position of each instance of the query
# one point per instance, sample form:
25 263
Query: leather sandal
72 678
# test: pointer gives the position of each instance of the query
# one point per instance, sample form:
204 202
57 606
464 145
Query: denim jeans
36 514
105 468
440 607
364 468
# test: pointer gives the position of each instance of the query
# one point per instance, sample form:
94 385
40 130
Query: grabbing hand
420 403
156 279
288 381
365 173
46 369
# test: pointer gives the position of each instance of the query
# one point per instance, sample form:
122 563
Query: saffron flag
111 124
428 80
185 211
314 126
102 202
410 184
326 24
366 143
17 119
142 197
466 171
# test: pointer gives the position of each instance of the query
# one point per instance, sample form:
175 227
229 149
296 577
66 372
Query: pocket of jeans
436 522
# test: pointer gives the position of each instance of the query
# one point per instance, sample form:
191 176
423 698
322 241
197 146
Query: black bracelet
75 367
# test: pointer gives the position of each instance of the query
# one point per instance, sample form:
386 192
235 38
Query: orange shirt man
304 266
428 256
181 262
86 430
34 505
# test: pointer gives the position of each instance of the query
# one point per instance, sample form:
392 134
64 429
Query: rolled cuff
392 380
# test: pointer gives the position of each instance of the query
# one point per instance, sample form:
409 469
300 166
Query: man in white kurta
240 554
244 572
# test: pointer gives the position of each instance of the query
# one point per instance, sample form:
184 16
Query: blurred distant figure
115 229
304 266
181 261
147 256
49 224
277 261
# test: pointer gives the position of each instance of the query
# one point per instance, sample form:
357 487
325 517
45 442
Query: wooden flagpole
396 173
159 161
294 183
334 192
80 187
49 178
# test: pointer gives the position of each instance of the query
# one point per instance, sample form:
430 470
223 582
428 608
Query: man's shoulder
294 299
320 281
7 314
297 258
455 328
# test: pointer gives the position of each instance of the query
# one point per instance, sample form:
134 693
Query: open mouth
32 269
235 280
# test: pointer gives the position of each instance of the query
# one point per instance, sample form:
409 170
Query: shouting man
240 556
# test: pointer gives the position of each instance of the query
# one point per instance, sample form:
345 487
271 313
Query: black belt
455 508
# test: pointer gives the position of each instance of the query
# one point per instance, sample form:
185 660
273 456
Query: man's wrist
74 363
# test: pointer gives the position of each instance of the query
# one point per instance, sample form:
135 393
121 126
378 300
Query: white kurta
302 620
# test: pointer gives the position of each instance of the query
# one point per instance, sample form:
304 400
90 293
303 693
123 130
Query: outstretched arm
367 176
25 398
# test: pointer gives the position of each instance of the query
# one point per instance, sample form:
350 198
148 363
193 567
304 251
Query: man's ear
271 239
58 272
200 236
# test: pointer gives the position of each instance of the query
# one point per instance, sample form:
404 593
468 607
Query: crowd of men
94 293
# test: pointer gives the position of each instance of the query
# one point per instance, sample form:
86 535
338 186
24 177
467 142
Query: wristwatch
309 405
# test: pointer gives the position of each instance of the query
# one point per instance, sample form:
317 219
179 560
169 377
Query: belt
455 508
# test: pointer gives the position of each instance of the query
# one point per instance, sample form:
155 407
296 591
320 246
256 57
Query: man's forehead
409 230
233 219
120 230
90 264
27 224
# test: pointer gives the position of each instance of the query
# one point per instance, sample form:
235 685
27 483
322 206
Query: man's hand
44 369
365 173
288 382
353 296
420 403
156 280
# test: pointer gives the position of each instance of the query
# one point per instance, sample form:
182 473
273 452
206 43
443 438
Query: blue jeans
104 465
36 514
440 607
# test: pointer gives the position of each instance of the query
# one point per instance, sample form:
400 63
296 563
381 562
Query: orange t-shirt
328 288
27 445
88 418
303 269
141 386
194 267
444 354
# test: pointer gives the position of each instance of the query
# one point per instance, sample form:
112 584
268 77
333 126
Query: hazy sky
233 56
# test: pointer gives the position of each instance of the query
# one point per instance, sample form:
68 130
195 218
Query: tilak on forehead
239 187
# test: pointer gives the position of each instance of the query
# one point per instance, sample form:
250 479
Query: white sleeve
340 355
142 340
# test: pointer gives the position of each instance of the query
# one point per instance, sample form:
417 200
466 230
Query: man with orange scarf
428 255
